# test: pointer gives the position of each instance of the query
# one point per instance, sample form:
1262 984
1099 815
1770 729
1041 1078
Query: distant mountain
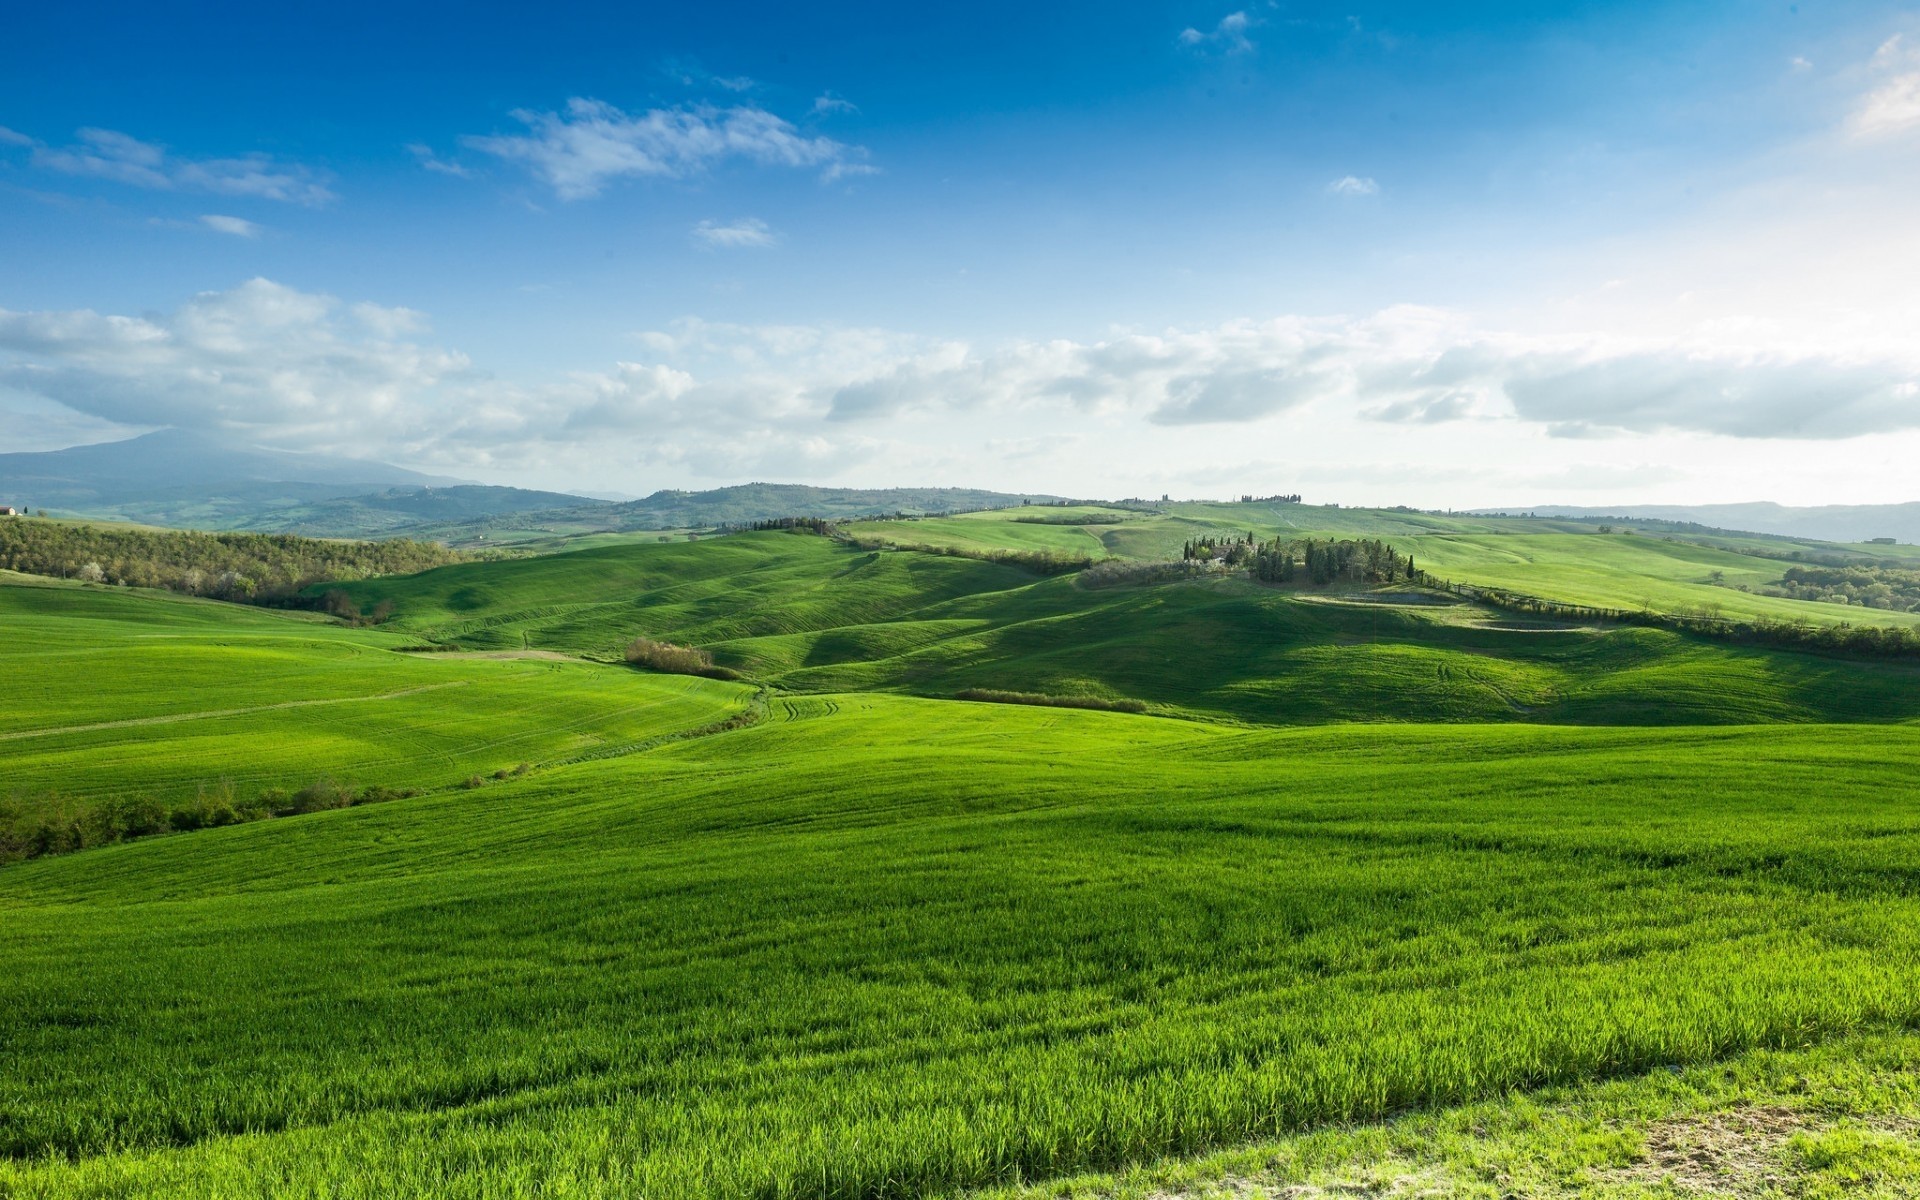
1827 523
176 465
193 480
414 512
197 481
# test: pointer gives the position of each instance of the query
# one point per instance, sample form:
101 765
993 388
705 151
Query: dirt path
171 718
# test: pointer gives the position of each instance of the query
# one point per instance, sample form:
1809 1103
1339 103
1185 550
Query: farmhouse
8 510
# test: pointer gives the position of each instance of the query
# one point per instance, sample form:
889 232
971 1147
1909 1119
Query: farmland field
830 932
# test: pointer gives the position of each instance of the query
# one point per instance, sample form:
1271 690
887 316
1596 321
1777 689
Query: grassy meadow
1377 870
1568 561
882 946
809 614
118 694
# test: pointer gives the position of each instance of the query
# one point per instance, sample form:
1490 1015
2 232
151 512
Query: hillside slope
809 614
889 947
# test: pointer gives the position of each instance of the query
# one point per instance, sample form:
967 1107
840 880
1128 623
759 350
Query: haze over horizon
1492 255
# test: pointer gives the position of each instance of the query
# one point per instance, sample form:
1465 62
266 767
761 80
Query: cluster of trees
1351 560
1228 551
995 696
252 567
816 525
1870 587
1863 641
33 825
1252 499
675 660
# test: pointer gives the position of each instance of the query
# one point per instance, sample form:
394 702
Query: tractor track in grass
216 714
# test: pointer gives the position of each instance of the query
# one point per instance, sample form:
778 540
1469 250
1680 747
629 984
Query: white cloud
592 143
1353 185
236 226
1229 34
9 137
433 162
1893 106
704 400
748 231
107 154
826 104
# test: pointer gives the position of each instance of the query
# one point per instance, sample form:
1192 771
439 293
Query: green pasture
114 692
1561 560
808 614
878 946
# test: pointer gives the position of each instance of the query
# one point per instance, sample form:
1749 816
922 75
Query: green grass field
115 692
882 946
807 614
1562 560
1393 867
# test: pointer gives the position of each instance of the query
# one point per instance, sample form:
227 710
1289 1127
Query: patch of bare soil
1732 1153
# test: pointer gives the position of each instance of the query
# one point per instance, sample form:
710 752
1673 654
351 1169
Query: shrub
321 795
675 660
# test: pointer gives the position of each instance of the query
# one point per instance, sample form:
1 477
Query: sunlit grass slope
1566 561
808 614
118 692
880 947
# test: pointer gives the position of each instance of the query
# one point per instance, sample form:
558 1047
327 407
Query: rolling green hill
809 614
1568 561
884 947
115 692
824 934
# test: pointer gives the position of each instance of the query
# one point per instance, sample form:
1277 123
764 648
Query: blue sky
1431 254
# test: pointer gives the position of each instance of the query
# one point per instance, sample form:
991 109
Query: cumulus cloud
108 154
1893 105
233 226
826 104
746 232
1228 35
294 368
579 151
1353 185
425 156
1739 394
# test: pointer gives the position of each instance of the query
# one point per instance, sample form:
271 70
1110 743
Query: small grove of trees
1250 498
250 567
1885 588
36 824
675 660
815 525
1353 560
1230 552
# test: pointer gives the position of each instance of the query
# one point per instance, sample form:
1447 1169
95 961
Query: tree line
1310 560
257 568
1886 588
